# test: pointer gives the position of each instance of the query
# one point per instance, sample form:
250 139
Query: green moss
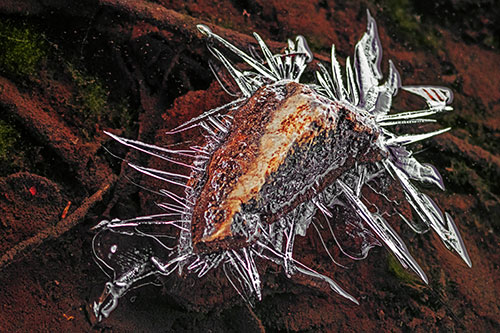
492 41
407 24
318 45
479 134
395 268
91 93
460 174
13 149
122 115
94 96
464 179
21 48
92 100
8 138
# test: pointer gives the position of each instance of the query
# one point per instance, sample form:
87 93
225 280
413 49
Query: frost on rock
285 157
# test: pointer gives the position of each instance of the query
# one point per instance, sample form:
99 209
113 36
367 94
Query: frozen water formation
282 157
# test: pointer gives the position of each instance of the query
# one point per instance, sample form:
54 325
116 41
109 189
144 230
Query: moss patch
15 153
91 93
465 179
460 175
124 116
395 268
21 48
92 100
319 45
8 138
406 21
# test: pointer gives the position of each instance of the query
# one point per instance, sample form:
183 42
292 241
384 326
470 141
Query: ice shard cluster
284 158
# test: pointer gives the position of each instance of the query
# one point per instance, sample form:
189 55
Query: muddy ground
71 69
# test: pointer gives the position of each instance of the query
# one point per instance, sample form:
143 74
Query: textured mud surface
136 68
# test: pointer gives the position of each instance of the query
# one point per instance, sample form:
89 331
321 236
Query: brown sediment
60 278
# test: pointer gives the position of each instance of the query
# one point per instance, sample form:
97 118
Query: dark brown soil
136 68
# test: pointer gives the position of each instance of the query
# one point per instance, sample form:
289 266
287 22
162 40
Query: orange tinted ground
159 68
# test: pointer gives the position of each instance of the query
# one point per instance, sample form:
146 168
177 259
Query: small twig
56 231
257 320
